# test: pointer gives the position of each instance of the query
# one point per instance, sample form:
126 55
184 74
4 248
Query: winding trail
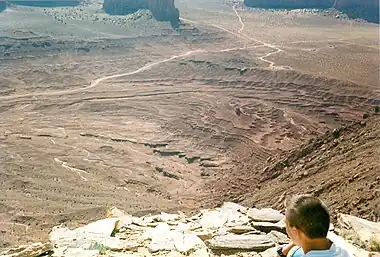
262 58
240 20
96 82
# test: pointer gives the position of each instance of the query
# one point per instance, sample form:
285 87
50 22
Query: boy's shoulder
334 251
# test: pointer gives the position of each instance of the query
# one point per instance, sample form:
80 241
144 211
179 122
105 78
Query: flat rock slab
269 226
32 250
240 243
265 215
213 219
366 230
278 237
241 229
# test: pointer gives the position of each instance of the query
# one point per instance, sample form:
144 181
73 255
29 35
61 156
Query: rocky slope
341 167
365 9
162 10
231 230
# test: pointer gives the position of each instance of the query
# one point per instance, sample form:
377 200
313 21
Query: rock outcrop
162 10
364 9
228 230
289 4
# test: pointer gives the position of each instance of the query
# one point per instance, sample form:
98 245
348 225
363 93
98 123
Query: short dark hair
309 214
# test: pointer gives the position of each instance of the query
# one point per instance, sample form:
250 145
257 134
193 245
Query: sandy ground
99 111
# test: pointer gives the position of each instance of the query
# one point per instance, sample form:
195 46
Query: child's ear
298 232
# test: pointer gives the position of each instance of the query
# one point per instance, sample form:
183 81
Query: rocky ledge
229 230
162 10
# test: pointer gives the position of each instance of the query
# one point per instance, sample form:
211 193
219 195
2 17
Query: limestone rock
353 250
240 243
229 207
268 253
124 221
78 252
164 241
240 229
32 250
203 252
213 219
188 242
204 234
188 226
115 213
269 226
165 217
98 232
161 229
51 132
278 237
265 215
365 230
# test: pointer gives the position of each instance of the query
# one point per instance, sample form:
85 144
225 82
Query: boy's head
307 218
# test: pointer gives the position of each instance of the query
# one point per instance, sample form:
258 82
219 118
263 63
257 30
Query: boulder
240 243
32 250
265 215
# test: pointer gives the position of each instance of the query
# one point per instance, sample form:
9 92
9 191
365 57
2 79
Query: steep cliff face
121 7
3 6
162 10
364 9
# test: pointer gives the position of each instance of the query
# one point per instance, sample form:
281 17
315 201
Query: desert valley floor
100 111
